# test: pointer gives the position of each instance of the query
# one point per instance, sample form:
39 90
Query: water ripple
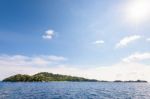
74 90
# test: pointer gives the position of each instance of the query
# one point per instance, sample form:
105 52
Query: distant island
48 77
132 81
45 77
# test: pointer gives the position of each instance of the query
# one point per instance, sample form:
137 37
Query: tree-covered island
45 77
48 77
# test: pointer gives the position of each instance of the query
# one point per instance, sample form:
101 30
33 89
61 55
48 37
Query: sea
74 90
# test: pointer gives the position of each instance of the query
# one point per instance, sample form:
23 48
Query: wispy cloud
48 34
137 57
119 71
13 64
98 42
20 60
126 40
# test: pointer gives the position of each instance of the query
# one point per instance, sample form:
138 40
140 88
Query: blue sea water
74 90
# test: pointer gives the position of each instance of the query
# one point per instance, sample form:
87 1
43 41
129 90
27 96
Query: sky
98 39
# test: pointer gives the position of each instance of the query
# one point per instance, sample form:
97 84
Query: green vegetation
47 77
44 77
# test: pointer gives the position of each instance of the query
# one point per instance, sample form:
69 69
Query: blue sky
84 33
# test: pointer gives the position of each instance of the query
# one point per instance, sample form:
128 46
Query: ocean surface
75 90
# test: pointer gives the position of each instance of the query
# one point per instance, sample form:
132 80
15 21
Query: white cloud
98 42
48 34
119 71
137 57
14 64
20 60
126 40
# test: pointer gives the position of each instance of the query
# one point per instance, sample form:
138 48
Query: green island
48 77
45 77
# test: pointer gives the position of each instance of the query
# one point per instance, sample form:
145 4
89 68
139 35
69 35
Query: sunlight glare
138 11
